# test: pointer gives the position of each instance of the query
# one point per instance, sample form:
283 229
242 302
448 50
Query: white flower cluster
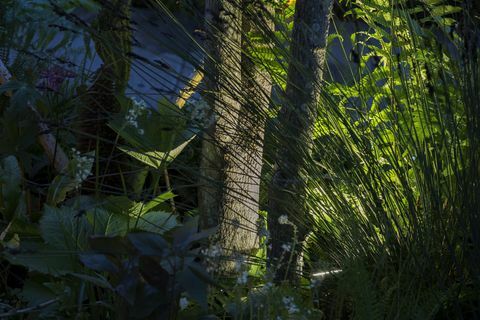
290 305
183 303
81 171
212 251
210 254
199 112
283 220
139 106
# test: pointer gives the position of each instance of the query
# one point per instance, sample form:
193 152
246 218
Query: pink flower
53 77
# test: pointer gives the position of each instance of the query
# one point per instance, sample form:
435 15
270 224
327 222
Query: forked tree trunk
296 122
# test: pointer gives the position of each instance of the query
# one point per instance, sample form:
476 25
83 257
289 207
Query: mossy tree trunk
287 197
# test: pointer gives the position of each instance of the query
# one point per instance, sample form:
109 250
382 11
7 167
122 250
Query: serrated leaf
62 229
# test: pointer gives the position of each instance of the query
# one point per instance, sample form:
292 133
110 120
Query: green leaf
149 244
108 223
35 292
62 229
196 288
157 201
156 159
45 259
98 262
156 222
97 280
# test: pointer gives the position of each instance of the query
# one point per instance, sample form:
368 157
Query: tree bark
222 80
246 162
232 146
287 197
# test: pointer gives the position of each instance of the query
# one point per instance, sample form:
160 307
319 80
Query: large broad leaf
121 215
97 280
196 288
98 262
35 292
149 244
46 260
157 201
185 236
156 159
106 223
62 228
122 204
156 222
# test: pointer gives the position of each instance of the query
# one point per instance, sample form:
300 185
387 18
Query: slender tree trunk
232 151
247 146
288 212
222 80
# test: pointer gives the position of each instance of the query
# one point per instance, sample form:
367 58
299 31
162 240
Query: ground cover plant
235 159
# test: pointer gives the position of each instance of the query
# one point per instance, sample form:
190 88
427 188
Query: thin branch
15 312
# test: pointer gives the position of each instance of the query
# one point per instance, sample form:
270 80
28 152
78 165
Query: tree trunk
247 146
222 80
288 212
232 147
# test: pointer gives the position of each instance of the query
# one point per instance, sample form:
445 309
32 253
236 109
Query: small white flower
213 251
292 309
183 303
286 247
141 132
137 109
283 219
242 279
290 305
287 300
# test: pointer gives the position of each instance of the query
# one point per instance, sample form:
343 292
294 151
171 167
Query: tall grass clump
395 180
